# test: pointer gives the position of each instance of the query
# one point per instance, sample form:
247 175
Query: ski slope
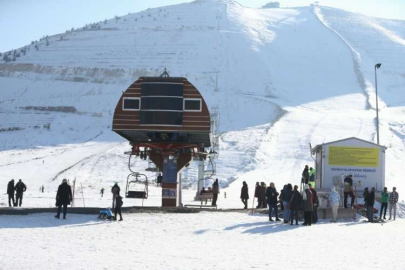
281 79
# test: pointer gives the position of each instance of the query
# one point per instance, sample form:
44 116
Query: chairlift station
166 120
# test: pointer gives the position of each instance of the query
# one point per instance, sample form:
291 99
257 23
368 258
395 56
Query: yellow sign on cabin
353 156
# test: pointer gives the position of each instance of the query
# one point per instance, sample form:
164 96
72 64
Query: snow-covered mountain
281 79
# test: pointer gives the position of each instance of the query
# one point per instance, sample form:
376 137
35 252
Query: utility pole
376 101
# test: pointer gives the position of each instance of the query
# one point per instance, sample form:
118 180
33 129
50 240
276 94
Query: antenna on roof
165 74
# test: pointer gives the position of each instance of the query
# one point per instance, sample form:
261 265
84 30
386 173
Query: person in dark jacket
215 192
10 192
63 198
244 194
286 198
117 209
272 194
262 195
307 205
257 191
365 196
348 190
20 188
370 205
295 205
115 190
159 180
305 175
315 202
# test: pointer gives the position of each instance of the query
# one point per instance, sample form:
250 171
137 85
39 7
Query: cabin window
131 104
192 105
161 118
162 104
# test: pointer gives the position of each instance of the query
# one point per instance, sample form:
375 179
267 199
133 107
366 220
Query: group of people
19 190
291 201
214 190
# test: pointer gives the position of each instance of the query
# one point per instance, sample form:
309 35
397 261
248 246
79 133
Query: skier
115 190
348 190
295 205
384 203
272 194
118 205
42 188
244 195
215 192
20 188
393 202
334 198
370 205
10 192
308 205
102 192
63 198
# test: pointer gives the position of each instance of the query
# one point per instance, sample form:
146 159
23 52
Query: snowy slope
281 78
196 241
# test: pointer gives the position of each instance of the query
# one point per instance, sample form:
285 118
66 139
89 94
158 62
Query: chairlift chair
137 186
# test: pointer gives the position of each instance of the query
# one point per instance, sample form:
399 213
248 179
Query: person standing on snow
315 202
63 198
244 195
272 194
118 205
384 202
365 197
295 205
348 190
262 195
334 199
287 193
215 192
102 192
115 190
20 188
10 192
308 206
393 198
257 191
370 205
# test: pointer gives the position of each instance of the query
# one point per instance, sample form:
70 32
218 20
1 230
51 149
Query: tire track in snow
82 161
63 150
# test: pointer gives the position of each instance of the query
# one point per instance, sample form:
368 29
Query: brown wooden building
163 109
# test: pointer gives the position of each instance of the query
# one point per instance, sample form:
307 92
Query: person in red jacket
315 201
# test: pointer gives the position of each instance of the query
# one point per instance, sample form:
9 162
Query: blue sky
22 21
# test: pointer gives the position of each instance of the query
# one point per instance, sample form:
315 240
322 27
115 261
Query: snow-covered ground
285 78
196 241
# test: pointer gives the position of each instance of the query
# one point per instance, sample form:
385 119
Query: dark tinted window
192 105
131 104
162 89
162 103
161 118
